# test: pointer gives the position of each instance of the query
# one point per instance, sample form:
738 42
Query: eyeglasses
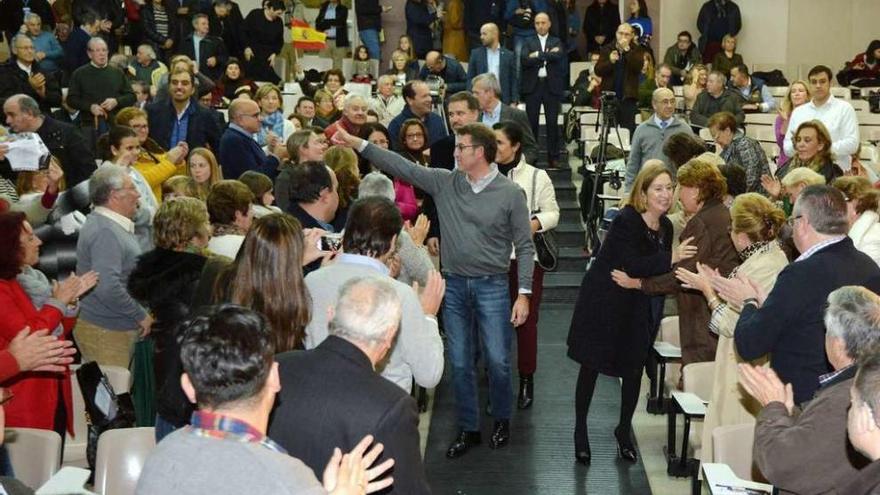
461 147
252 115
791 221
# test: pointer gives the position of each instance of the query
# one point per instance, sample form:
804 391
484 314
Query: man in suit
331 396
238 151
543 61
494 110
181 118
64 141
76 47
23 74
453 74
495 59
207 51
620 65
787 323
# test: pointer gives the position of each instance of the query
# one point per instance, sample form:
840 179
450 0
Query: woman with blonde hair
344 164
798 94
325 107
202 166
754 228
272 121
862 202
153 162
695 84
727 58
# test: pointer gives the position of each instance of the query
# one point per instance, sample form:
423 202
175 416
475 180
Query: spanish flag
306 37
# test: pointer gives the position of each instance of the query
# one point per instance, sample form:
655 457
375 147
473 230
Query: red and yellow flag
306 37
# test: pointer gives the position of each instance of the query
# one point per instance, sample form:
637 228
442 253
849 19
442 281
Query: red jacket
343 122
35 393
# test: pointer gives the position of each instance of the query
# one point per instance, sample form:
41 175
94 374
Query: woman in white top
122 147
230 205
541 198
862 201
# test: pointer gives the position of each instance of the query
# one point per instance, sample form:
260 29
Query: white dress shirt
840 119
542 72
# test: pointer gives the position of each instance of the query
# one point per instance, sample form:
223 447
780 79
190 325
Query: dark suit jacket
210 46
307 221
453 75
517 116
202 130
239 152
555 65
13 81
75 55
67 144
633 61
340 23
331 397
509 79
789 326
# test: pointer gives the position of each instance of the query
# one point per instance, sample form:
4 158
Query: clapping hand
701 280
765 386
684 250
69 290
39 351
432 295
772 185
736 290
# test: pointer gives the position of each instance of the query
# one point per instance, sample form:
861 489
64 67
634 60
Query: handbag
105 410
546 247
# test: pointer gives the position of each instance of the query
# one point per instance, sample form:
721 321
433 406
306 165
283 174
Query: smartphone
330 242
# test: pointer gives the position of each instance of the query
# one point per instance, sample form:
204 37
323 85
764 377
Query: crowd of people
290 259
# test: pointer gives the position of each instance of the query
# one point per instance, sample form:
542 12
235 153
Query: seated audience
226 450
29 301
326 112
661 79
837 115
727 58
110 319
786 322
238 151
814 150
862 202
203 168
261 187
798 94
334 81
164 281
650 136
305 107
23 74
321 387
864 69
716 98
47 49
146 68
180 186
153 162
695 85
232 213
402 69
755 95
755 225
681 58
739 150
233 78
803 449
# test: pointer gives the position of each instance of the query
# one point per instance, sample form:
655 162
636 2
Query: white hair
367 308
106 179
376 184
351 98
853 315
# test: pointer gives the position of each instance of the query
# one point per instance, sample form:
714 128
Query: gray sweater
104 246
647 143
477 229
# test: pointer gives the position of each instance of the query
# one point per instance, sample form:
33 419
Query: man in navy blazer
165 127
238 150
789 324
543 70
505 70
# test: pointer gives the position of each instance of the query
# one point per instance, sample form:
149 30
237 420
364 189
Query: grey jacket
647 143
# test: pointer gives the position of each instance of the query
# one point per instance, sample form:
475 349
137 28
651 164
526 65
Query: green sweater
91 85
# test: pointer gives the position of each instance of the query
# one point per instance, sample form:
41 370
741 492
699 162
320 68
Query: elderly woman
272 121
740 150
727 58
755 225
386 103
230 205
702 190
862 202
544 216
181 231
263 34
354 115
27 300
111 320
613 328
153 162
798 94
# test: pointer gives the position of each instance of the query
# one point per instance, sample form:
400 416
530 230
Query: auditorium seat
75 446
120 459
35 454
733 446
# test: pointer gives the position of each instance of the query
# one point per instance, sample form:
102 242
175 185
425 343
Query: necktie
663 125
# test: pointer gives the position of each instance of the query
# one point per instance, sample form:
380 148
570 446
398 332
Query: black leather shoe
465 440
582 452
500 434
583 456
625 448
526 391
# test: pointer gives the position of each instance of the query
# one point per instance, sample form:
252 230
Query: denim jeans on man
370 39
471 305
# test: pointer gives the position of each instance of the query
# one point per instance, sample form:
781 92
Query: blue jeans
370 39
163 428
471 305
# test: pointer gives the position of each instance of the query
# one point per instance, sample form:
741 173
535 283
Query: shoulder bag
546 247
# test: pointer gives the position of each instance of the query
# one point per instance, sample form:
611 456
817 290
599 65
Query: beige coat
729 404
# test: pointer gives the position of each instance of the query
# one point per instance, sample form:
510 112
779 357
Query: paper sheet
26 151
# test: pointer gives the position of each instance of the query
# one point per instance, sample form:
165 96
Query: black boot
582 452
500 434
465 440
625 448
526 391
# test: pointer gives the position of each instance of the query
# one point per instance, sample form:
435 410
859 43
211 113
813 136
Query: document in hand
27 152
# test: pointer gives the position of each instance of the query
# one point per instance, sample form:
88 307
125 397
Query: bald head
435 62
245 114
663 101
542 24
489 35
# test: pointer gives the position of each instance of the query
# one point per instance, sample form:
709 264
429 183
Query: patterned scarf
273 122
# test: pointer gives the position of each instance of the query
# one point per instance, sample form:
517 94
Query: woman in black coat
420 14
612 328
263 33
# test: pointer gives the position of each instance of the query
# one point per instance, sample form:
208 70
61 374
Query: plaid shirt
748 155
206 424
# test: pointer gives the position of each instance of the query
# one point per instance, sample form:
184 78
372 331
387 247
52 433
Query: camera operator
619 66
447 68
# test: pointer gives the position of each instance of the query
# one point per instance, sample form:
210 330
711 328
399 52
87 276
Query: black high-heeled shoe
582 454
625 448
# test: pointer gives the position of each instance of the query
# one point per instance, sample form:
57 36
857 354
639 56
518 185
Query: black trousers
552 104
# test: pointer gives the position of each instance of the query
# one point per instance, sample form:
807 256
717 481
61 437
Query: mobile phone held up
330 242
